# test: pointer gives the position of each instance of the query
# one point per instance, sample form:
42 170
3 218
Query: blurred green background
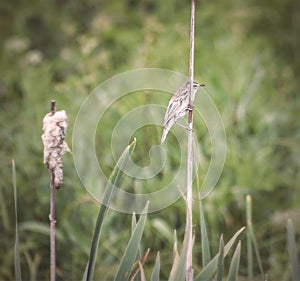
247 54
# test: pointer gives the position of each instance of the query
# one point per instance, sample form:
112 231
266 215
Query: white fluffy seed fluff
54 127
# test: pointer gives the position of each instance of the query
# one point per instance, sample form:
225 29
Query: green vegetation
247 55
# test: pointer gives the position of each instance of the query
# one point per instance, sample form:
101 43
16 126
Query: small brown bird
178 106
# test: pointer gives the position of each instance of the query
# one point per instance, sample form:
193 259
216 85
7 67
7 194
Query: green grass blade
156 269
206 257
133 226
220 259
235 263
109 193
178 270
131 251
210 269
249 237
259 262
17 250
292 247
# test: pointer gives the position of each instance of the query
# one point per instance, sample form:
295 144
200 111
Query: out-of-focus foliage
247 54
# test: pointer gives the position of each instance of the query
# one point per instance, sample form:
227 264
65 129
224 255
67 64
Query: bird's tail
166 130
164 135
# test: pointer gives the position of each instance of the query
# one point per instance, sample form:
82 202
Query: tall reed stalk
189 260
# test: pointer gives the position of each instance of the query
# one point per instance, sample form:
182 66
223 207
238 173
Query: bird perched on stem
178 106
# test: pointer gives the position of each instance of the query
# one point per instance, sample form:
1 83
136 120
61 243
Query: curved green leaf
220 259
131 251
110 191
178 270
208 271
133 226
204 238
156 269
235 263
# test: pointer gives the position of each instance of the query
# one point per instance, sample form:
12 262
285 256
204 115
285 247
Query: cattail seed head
54 127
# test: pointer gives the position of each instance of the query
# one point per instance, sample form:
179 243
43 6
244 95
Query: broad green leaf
131 251
204 238
208 271
220 259
156 269
235 263
133 226
110 191
178 271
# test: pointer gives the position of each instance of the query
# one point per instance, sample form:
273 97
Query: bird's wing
176 105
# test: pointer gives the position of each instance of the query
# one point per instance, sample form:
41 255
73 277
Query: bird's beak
200 85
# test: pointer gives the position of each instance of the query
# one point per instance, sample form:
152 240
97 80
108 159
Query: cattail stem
54 127
189 259
52 213
52 227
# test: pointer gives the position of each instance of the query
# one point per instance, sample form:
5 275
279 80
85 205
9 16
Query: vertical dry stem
52 214
52 227
189 260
